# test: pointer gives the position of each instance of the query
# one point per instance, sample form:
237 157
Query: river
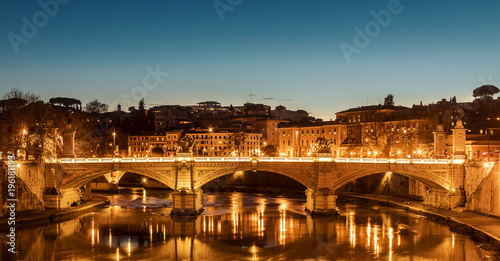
242 226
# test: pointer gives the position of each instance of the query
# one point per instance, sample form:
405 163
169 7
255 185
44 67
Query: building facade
215 144
144 144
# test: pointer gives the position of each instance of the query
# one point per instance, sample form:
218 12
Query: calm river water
242 226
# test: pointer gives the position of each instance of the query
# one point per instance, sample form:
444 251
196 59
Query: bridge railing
261 159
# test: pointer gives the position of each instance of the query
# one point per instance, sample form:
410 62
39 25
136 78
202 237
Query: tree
485 91
32 123
270 150
157 151
66 102
389 100
141 104
16 93
373 132
237 140
96 107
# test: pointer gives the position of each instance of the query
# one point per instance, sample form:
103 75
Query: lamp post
211 147
114 144
25 143
488 137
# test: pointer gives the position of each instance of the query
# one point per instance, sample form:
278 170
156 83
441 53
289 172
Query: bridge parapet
261 159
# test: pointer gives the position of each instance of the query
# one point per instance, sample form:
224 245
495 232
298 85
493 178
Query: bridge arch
75 180
431 180
304 180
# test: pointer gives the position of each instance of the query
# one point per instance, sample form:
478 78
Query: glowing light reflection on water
242 226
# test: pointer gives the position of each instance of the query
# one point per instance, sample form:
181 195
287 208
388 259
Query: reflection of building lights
235 223
253 250
352 231
368 234
164 233
129 247
204 224
150 234
117 253
282 237
391 236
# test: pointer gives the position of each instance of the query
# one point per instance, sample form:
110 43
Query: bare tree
373 132
20 94
237 141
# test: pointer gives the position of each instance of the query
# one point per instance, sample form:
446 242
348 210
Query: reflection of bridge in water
321 175
121 234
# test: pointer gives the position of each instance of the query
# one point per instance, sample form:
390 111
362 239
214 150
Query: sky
320 56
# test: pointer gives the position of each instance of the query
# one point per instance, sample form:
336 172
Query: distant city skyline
284 52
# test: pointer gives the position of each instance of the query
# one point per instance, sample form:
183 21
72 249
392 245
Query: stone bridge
186 176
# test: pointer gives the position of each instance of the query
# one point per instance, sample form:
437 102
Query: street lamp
298 142
114 143
211 147
25 143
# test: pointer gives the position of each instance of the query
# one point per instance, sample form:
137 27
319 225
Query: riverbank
481 228
32 219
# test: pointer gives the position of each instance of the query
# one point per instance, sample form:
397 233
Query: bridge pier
187 202
444 199
61 198
321 202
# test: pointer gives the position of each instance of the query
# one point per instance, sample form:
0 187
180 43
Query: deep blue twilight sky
283 52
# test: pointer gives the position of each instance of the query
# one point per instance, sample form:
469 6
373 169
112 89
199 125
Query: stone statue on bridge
186 145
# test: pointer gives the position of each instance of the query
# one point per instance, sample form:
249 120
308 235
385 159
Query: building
269 130
216 143
171 117
143 144
281 112
296 140
368 131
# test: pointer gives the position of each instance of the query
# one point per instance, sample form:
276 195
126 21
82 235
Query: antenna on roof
251 96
